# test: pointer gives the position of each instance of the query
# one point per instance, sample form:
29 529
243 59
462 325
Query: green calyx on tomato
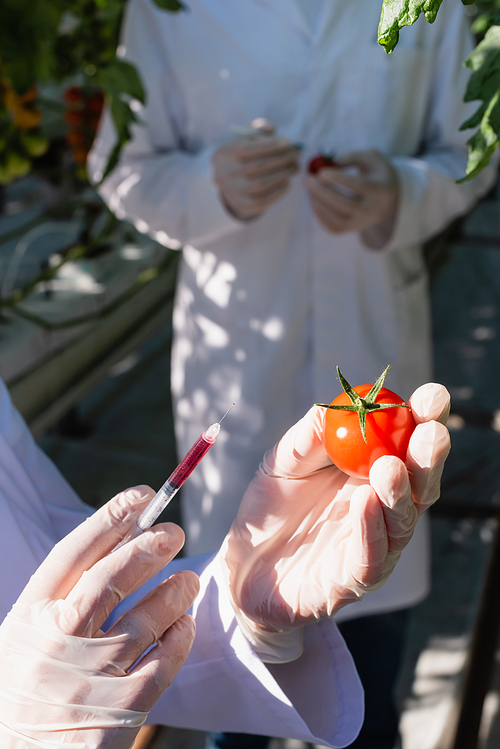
366 405
364 423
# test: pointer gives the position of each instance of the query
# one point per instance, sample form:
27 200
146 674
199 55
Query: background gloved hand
361 195
308 539
65 681
254 171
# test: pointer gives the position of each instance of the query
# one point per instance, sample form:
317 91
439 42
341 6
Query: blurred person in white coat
284 274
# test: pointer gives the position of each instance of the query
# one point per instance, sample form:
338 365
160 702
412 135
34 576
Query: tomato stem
366 405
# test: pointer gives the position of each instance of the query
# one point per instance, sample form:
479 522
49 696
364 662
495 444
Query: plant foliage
484 62
398 13
58 41
75 41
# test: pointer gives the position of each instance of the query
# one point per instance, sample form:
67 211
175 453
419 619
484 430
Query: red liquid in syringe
194 456
179 475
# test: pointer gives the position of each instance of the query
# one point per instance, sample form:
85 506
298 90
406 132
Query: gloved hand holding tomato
309 539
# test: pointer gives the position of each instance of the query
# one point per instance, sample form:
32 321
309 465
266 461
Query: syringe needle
230 407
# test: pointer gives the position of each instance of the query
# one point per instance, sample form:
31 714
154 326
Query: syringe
174 482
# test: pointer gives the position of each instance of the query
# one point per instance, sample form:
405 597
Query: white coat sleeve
160 185
37 505
224 686
430 198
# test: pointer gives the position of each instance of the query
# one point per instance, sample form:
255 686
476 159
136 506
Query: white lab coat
266 309
223 686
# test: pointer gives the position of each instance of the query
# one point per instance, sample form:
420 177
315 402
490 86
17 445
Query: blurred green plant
484 63
45 42
74 41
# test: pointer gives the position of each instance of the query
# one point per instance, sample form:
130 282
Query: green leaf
172 5
484 61
398 13
113 158
354 397
120 77
120 81
26 32
362 424
481 24
475 120
484 85
483 144
355 409
377 387
123 118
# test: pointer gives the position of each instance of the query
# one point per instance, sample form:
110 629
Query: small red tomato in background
74 95
319 162
74 117
382 424
82 114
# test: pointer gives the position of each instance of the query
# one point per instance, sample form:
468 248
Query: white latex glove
62 679
308 539
254 171
361 195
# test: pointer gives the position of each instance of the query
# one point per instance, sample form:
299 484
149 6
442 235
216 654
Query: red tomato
388 432
74 95
76 138
74 117
95 103
80 156
322 161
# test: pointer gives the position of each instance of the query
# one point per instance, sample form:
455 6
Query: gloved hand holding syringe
176 479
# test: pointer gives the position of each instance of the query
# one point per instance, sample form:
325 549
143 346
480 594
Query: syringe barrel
157 505
176 479
173 483
191 459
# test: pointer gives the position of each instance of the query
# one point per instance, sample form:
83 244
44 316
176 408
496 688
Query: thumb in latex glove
360 194
254 171
308 539
65 681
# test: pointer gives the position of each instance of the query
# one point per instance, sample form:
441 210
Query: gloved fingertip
169 539
366 507
126 503
390 480
263 125
429 444
430 402
186 623
369 542
301 449
137 492
187 582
